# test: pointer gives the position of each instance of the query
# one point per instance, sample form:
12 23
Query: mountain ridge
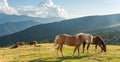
89 24
9 23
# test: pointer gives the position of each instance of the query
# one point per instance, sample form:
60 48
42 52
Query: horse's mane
67 35
99 37
82 34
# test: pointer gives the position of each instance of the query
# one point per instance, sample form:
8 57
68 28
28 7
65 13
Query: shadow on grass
38 46
96 53
118 49
59 59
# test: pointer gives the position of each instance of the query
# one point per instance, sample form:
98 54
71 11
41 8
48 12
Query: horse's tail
55 44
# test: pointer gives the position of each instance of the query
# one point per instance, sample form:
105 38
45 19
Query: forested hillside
45 32
112 38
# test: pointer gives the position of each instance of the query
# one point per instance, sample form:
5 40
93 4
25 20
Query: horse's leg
57 49
61 46
95 47
88 47
78 51
34 44
101 47
84 44
74 51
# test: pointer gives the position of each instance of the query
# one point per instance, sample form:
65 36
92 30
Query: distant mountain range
12 27
89 24
18 18
13 23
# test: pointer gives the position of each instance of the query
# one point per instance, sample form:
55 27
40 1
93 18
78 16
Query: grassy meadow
42 53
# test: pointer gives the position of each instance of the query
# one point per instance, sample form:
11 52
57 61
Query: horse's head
104 46
104 49
99 40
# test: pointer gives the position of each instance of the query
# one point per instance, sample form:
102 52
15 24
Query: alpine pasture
42 53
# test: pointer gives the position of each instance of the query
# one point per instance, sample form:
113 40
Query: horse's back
70 40
65 39
60 38
86 37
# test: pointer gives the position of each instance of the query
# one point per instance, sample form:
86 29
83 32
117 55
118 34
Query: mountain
89 24
18 18
12 27
13 23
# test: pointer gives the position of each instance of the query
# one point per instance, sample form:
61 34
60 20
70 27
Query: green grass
41 53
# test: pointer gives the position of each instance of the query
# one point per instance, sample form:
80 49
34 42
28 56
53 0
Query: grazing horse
20 43
76 41
33 43
13 47
97 40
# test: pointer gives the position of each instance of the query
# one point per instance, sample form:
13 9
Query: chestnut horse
97 40
76 41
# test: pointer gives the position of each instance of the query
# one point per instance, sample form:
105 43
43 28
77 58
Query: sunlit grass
41 53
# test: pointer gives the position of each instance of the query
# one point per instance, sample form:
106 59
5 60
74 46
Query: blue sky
77 8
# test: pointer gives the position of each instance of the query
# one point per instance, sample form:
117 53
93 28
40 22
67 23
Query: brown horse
76 41
15 46
20 43
97 40
33 43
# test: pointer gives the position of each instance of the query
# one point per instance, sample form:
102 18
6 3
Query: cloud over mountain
46 8
5 8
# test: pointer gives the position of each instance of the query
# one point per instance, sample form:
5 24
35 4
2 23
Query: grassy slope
41 53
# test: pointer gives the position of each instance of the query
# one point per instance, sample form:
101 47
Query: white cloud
5 8
46 9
